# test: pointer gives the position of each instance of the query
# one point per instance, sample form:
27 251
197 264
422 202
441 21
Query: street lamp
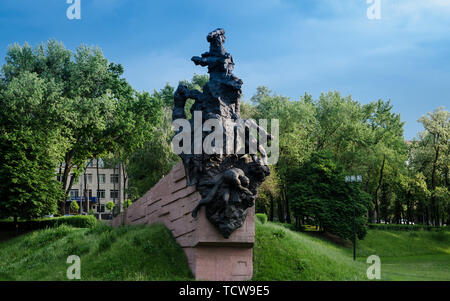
352 179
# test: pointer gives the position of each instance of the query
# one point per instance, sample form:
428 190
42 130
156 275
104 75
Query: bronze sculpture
227 182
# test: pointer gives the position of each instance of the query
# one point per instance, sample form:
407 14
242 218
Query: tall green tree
101 111
430 155
322 197
30 145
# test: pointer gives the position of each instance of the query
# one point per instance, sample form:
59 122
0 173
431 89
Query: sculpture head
216 38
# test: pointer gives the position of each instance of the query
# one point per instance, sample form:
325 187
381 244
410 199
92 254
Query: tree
436 145
296 120
74 207
127 203
386 143
31 144
100 109
268 192
154 158
110 205
321 196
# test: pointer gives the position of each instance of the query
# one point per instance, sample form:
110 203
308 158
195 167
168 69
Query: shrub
403 227
74 206
261 217
109 205
127 203
79 221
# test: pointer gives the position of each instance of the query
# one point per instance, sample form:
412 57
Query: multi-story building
91 194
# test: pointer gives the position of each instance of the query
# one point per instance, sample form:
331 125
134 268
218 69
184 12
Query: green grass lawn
282 254
404 255
151 253
415 255
125 253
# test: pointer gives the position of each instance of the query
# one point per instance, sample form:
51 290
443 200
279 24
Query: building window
89 178
102 178
73 193
114 178
86 191
89 193
101 208
101 194
114 194
91 163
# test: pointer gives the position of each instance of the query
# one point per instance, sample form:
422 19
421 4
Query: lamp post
353 179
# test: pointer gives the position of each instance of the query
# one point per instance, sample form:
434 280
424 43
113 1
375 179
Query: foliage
261 217
74 207
78 221
127 203
430 156
110 205
83 97
127 253
149 163
30 144
268 192
405 227
322 196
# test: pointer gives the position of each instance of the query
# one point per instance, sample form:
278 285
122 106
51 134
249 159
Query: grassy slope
126 253
151 253
281 254
416 255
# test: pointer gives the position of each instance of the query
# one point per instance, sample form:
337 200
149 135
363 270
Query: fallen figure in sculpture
233 184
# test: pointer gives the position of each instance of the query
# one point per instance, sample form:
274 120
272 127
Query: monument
227 182
207 200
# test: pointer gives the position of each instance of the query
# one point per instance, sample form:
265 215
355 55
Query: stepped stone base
210 255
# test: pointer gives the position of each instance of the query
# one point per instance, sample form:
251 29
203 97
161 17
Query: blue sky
290 46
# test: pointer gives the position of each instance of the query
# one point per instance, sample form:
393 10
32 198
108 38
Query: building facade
93 194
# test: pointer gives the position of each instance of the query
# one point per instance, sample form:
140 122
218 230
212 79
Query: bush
79 221
74 206
261 217
109 205
403 227
127 203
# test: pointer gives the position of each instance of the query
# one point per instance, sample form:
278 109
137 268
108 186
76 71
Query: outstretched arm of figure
202 61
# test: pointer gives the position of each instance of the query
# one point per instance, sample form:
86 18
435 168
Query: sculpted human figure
232 183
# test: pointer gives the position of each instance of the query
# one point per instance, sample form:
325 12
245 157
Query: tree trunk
271 208
434 206
114 187
125 179
280 210
84 193
288 212
16 225
377 191
98 191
